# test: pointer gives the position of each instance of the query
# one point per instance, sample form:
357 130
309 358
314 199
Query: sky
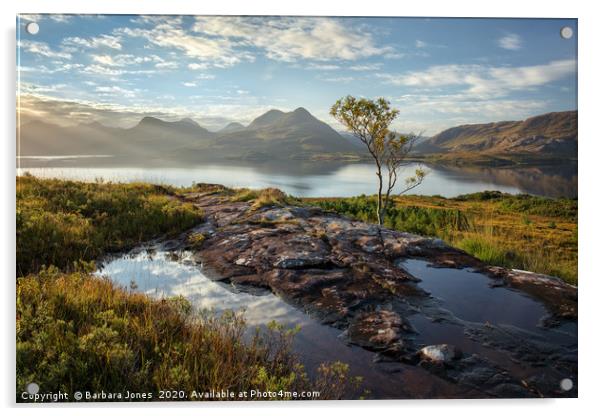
439 73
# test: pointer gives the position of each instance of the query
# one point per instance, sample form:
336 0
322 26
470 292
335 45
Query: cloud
28 88
41 48
432 113
167 65
484 81
321 67
60 18
167 32
337 79
130 60
112 91
31 17
74 111
190 84
196 66
420 43
107 41
512 42
112 71
292 38
366 67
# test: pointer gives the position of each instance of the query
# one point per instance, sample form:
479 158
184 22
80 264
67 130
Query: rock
440 354
300 261
378 330
346 274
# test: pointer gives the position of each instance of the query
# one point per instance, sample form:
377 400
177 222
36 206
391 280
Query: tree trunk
379 211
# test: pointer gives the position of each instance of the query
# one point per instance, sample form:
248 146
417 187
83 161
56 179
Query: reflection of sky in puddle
159 276
469 296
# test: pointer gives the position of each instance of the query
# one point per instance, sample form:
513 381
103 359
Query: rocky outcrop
347 274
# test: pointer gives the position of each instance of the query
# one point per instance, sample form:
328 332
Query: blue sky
438 72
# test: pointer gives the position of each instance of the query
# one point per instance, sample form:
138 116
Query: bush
413 219
77 332
59 222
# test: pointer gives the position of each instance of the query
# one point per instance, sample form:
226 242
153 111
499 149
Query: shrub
59 222
80 332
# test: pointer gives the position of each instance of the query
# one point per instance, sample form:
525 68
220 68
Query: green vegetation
519 231
77 331
369 121
263 197
62 222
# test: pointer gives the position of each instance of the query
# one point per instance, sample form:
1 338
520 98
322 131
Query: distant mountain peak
190 121
301 110
148 120
266 118
232 127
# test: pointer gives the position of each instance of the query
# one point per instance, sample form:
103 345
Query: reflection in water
471 297
306 179
157 275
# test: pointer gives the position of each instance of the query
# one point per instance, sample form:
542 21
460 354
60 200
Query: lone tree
369 121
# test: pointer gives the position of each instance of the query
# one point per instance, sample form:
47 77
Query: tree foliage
370 121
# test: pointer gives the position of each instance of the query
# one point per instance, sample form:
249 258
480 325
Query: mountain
150 137
232 127
281 135
273 135
265 119
551 135
39 138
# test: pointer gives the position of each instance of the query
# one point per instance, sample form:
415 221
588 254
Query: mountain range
551 135
278 135
275 134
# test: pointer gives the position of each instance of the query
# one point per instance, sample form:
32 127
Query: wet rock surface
350 275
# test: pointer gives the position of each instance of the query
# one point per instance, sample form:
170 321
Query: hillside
276 134
552 135
273 135
150 137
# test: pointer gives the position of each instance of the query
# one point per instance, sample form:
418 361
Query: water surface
307 179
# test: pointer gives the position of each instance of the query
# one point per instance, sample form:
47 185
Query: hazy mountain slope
150 137
159 136
552 134
283 135
232 127
38 138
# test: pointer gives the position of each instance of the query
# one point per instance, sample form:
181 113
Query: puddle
470 296
158 274
465 294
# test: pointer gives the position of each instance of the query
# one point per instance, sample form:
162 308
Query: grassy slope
525 232
76 331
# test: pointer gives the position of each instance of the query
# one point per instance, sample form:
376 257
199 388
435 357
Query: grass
518 231
263 197
61 222
79 332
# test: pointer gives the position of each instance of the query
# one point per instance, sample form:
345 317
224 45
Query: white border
590 151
